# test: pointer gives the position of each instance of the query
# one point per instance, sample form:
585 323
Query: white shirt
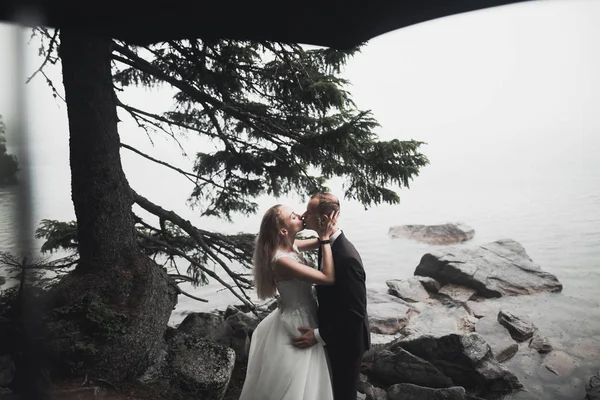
316 331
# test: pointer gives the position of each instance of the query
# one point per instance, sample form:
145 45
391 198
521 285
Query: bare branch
183 292
47 58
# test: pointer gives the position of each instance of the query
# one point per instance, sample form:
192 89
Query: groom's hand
306 340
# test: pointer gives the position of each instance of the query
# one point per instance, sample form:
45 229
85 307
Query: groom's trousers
345 369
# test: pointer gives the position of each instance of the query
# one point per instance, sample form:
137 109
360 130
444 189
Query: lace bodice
295 294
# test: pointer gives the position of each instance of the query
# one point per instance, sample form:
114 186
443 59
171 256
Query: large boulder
401 366
434 234
411 289
407 391
200 368
497 336
438 320
202 325
466 359
496 269
388 314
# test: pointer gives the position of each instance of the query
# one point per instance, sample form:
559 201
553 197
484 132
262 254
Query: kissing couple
310 347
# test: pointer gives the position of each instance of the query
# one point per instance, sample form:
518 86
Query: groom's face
311 216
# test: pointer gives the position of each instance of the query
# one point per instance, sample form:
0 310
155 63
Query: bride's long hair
266 245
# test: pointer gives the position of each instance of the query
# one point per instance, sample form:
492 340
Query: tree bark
100 191
109 316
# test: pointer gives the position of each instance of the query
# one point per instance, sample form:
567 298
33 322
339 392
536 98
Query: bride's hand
327 227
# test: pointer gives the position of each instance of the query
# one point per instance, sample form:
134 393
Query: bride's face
292 220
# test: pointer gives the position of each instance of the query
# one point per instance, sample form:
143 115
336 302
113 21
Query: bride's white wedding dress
276 369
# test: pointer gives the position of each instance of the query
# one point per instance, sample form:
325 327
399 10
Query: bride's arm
287 266
307 244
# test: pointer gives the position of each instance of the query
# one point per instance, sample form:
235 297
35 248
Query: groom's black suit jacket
342 313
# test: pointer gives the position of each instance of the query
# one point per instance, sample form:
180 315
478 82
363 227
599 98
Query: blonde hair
328 203
266 245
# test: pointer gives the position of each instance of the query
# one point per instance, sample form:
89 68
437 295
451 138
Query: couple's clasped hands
326 228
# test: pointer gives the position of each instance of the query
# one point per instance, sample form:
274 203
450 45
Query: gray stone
497 337
457 293
369 391
451 233
430 284
202 325
406 391
202 368
411 289
496 269
519 329
388 314
437 320
400 366
592 388
237 333
540 343
466 359
481 309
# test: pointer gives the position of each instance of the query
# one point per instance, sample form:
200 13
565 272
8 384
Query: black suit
343 320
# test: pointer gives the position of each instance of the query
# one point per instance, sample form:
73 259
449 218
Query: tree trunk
109 316
99 188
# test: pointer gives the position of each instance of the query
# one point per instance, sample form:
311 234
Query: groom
343 321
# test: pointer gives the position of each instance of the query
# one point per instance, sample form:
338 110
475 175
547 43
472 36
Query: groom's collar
335 236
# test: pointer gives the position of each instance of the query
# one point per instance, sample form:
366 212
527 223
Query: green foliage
280 121
279 116
9 166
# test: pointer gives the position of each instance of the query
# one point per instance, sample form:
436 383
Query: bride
276 369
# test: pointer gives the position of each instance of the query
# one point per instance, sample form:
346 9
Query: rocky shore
453 331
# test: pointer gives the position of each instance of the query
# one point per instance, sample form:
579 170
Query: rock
497 337
388 314
370 392
388 318
480 309
430 284
457 293
407 391
466 324
519 329
202 368
560 363
202 325
360 396
434 234
400 366
378 339
7 370
496 269
592 388
237 333
540 343
376 393
411 289
437 320
466 359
